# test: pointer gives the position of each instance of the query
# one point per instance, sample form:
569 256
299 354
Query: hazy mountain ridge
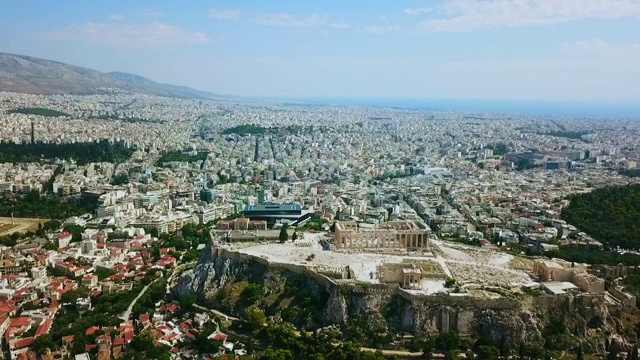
25 74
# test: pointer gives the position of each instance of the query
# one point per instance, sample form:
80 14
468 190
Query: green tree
255 319
294 237
279 354
42 343
284 235
448 341
50 246
450 282
252 293
579 353
187 300
488 352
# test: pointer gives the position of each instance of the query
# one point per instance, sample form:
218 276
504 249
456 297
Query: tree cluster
38 111
34 205
180 156
609 215
284 344
82 153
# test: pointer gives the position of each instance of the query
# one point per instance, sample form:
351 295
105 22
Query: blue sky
558 50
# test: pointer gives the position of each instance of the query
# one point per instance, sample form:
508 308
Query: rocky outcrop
508 322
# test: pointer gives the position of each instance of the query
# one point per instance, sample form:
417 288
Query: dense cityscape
132 226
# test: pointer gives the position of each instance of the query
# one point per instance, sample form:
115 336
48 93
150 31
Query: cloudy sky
560 50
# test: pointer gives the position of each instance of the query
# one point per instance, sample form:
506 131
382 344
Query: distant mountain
149 86
25 74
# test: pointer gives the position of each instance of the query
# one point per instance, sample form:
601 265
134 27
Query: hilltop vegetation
609 215
82 153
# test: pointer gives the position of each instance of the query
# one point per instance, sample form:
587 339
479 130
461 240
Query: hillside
149 86
25 74
609 215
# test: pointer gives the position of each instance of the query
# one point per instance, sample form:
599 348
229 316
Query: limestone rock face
508 322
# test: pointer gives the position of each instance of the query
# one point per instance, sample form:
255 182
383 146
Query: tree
488 352
50 246
42 343
294 237
579 353
279 354
450 282
255 319
612 355
448 341
284 235
143 342
252 293
187 300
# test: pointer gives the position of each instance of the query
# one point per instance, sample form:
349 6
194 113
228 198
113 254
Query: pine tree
284 236
579 354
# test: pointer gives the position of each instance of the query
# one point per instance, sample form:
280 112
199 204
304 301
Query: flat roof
274 207
557 287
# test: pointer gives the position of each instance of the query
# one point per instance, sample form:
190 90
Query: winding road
126 314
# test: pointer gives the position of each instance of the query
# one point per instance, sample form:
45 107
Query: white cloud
146 12
600 49
125 35
224 14
468 15
288 20
416 11
374 29
340 26
116 17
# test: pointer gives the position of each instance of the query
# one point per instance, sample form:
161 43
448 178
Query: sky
553 50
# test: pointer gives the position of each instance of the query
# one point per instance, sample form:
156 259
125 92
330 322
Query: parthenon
403 234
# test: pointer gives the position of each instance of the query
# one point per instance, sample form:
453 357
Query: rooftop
275 207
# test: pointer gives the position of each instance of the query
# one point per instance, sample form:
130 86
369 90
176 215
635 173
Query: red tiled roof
44 327
68 339
128 336
20 321
24 343
118 342
92 330
220 337
63 234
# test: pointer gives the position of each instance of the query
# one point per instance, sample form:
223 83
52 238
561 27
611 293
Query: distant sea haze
515 107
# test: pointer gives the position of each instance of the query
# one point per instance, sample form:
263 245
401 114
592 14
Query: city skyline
569 51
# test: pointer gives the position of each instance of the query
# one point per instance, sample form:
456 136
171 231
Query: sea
508 107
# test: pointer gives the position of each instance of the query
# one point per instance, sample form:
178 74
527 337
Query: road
217 313
394 352
126 314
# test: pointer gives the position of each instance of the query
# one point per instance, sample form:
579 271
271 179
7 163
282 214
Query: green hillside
610 215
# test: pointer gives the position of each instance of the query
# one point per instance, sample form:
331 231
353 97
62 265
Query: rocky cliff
309 300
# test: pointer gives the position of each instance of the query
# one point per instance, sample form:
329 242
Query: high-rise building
206 195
